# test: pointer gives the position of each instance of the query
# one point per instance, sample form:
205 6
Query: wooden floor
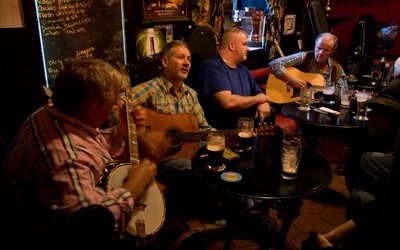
320 212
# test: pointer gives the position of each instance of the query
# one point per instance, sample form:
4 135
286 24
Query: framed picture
158 11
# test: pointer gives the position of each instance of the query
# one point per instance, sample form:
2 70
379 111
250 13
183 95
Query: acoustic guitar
176 135
281 92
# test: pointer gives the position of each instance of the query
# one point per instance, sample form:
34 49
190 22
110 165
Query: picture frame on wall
159 11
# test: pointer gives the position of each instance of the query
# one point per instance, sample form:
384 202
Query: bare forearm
339 232
238 103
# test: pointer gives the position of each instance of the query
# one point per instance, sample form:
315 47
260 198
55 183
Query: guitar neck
132 132
202 135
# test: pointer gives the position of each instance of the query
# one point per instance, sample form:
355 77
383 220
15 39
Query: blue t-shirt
216 76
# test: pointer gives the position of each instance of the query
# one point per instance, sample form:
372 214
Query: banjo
149 210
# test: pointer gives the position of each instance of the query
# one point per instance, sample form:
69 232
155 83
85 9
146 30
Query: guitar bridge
140 228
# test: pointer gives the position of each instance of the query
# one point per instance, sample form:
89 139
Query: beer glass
345 96
215 149
376 75
245 132
328 91
305 98
291 153
361 114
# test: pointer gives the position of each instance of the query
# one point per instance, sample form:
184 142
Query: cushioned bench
261 76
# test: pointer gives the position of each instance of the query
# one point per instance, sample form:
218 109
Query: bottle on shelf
381 68
386 75
300 46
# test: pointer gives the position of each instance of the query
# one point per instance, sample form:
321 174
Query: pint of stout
245 139
215 150
215 154
245 132
328 93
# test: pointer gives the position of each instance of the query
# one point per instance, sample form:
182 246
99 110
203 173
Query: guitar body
176 136
170 134
281 92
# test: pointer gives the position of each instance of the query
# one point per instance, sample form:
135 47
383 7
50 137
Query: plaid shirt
157 95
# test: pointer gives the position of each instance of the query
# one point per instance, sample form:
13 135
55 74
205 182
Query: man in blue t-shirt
230 90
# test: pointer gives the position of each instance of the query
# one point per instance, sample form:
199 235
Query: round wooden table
256 174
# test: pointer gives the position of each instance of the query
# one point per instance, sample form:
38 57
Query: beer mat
329 110
231 176
230 155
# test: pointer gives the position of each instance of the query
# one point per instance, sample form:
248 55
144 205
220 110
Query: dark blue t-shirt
216 76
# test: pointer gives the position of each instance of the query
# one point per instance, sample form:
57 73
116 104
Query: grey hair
396 68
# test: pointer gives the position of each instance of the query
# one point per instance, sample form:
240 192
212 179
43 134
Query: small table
258 176
313 123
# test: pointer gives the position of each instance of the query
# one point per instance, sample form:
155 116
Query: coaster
231 176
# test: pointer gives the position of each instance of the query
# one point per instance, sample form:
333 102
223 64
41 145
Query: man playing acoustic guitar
317 61
176 124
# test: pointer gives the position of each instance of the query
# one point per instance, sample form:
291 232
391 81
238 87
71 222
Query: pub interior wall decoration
276 14
150 42
209 13
158 11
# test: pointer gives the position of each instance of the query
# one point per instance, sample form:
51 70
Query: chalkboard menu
79 28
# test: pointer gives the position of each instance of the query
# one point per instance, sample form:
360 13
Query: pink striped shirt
54 166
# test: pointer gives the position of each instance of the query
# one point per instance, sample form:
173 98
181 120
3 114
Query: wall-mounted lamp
328 6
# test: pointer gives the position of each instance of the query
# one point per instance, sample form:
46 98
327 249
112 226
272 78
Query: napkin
328 110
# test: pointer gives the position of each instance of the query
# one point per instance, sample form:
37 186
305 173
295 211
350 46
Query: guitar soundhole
174 137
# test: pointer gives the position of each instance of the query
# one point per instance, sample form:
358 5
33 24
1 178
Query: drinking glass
361 114
291 153
345 96
215 149
376 75
305 98
245 132
328 91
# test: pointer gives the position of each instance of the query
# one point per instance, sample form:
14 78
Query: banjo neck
132 131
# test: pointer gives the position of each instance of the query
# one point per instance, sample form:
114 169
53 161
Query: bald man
230 90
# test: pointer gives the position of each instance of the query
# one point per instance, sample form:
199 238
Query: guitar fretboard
202 135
